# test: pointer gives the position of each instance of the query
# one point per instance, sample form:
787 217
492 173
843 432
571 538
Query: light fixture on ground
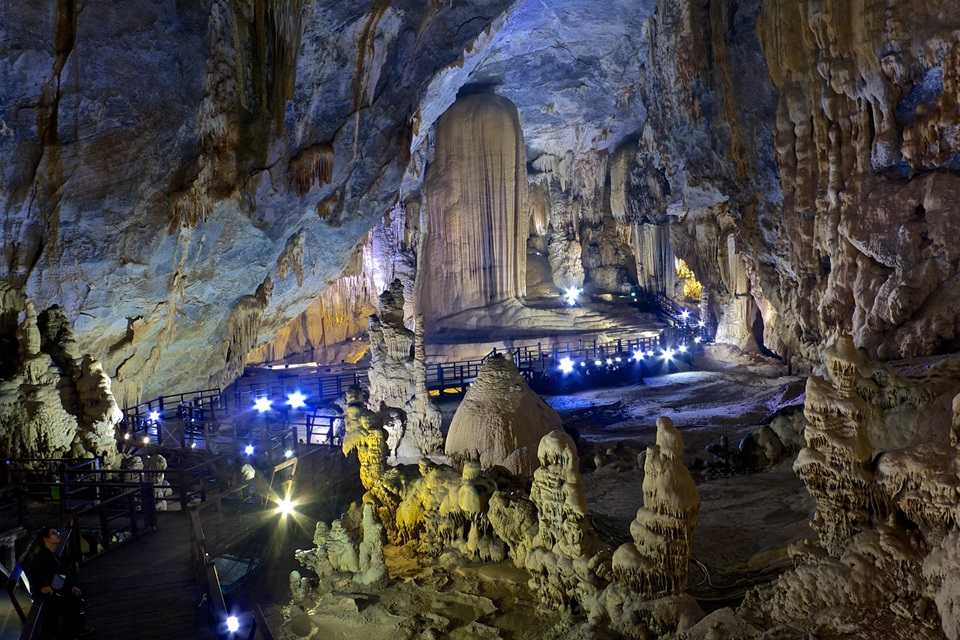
296 400
684 314
565 365
262 404
248 450
146 439
609 361
667 355
285 507
682 348
126 436
698 340
193 445
154 416
288 453
233 624
701 324
637 356
571 294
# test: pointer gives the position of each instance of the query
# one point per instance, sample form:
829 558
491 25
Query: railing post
182 476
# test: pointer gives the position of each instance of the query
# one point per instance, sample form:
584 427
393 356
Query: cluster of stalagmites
398 381
886 520
53 402
488 515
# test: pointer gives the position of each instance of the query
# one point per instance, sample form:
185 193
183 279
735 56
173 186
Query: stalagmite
398 380
500 421
655 564
478 220
566 562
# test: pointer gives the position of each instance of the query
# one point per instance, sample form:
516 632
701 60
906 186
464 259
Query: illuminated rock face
477 218
500 421
657 561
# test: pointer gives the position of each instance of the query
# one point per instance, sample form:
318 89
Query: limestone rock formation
566 561
398 380
500 421
343 547
656 563
478 222
52 403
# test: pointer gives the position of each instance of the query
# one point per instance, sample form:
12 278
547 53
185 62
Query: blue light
296 400
566 366
262 404
570 295
248 449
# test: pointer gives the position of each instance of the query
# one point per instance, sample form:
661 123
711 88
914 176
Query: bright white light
146 439
288 453
701 324
262 404
609 360
566 365
285 507
598 363
583 363
637 356
650 354
248 449
126 436
193 445
682 348
684 314
667 354
570 295
296 400
154 415
618 359
233 624
698 339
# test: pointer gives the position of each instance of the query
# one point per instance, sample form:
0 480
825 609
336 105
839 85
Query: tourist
50 583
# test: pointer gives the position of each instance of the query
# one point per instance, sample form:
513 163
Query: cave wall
160 157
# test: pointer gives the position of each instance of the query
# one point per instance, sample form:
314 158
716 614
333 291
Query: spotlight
566 365
583 363
126 436
698 339
288 453
571 295
609 361
684 314
193 445
146 440
248 450
701 324
285 507
233 624
650 354
262 404
598 363
682 348
618 359
296 400
637 356
154 416
667 355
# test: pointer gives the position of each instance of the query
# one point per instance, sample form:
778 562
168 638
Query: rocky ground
746 520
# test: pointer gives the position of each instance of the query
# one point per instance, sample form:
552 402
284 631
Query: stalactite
243 326
656 270
311 167
290 259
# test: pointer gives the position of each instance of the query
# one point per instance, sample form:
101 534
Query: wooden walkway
146 590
